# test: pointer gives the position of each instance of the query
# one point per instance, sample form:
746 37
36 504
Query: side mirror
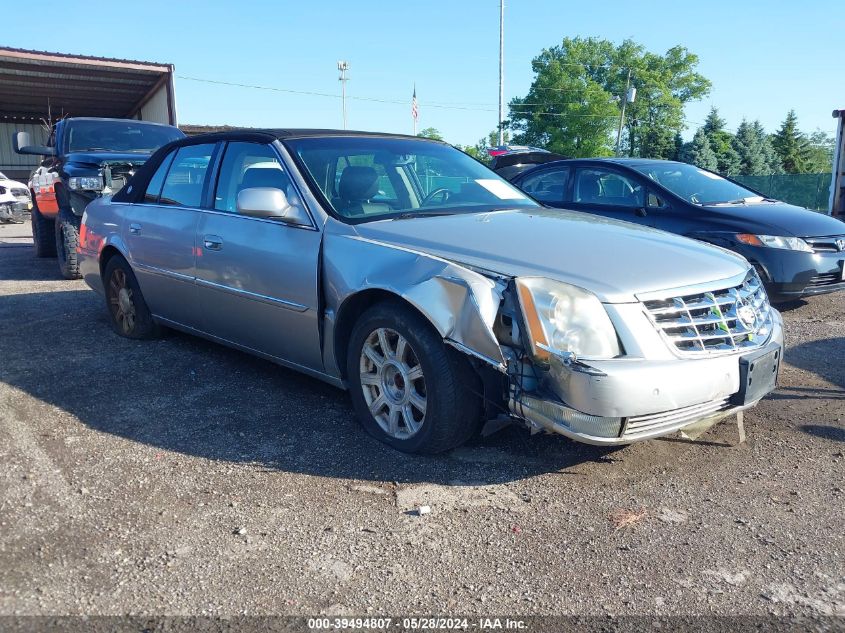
22 142
271 203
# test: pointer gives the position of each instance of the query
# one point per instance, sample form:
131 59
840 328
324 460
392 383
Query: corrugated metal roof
37 83
84 58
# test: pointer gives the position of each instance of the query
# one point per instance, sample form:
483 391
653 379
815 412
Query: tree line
574 105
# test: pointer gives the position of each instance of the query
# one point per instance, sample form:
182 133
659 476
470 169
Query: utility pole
501 71
343 66
625 98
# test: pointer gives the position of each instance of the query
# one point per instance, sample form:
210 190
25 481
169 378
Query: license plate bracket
758 375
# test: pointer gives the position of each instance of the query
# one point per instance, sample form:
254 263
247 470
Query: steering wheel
444 191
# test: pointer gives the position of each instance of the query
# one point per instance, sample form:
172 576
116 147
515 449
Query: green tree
431 132
756 155
819 159
573 105
699 153
791 145
721 142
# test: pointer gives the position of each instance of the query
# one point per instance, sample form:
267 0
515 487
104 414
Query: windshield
373 178
3 176
118 136
698 186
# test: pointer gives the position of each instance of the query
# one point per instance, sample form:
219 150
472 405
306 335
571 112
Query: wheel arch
109 251
351 310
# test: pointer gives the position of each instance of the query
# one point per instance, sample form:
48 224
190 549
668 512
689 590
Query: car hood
101 158
613 259
5 182
777 218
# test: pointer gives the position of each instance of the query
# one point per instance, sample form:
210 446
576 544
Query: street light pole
343 66
622 114
501 71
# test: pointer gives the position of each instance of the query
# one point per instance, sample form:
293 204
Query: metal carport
37 87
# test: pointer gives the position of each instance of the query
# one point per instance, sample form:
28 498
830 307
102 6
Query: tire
67 240
427 372
128 312
43 234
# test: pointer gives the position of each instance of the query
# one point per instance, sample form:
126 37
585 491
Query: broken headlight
565 320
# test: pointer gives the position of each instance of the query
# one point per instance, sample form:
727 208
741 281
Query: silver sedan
437 293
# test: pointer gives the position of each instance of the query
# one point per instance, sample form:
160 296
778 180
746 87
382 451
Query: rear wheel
42 234
130 316
67 240
409 389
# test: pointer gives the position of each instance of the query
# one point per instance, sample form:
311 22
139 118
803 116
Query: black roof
267 135
629 162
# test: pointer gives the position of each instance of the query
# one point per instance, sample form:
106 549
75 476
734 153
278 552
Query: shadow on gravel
823 358
198 398
835 433
788 306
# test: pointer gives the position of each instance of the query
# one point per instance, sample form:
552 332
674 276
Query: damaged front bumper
626 400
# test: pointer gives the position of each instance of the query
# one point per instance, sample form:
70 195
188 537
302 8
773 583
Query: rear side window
184 183
548 185
154 186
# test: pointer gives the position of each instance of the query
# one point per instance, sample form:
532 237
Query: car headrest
265 177
358 183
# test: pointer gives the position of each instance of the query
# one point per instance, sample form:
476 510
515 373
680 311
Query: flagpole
414 109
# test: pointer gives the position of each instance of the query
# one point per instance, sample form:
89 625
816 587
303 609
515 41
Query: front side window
695 185
184 183
371 178
247 165
548 185
608 188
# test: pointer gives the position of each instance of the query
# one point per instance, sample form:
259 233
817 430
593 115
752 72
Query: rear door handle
135 229
212 242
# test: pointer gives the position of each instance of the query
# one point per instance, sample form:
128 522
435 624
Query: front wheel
42 234
130 316
67 240
408 388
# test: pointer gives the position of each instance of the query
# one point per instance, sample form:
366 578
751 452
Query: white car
14 200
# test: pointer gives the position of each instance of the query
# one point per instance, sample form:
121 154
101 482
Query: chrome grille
728 319
830 244
640 425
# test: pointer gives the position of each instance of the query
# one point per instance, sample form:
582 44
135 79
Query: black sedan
796 251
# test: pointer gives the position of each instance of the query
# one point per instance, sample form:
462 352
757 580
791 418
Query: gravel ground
180 477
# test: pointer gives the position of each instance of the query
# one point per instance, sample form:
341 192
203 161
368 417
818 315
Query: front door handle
212 242
135 229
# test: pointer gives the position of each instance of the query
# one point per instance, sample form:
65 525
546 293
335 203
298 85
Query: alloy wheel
393 383
121 301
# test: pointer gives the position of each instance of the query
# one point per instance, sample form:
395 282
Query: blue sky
762 57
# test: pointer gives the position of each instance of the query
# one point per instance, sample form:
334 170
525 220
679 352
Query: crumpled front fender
460 303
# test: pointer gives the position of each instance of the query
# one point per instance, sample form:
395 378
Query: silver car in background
436 292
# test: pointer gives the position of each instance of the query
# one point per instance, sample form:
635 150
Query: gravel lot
180 477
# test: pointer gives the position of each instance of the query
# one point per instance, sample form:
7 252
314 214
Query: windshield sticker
500 189
709 175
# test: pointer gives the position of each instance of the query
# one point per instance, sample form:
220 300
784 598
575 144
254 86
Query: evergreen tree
699 153
721 142
756 154
791 145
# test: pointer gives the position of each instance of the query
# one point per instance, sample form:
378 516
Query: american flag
415 110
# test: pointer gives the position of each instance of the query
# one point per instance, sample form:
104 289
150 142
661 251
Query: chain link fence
805 190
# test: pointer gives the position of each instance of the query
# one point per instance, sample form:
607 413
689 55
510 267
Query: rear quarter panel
102 228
